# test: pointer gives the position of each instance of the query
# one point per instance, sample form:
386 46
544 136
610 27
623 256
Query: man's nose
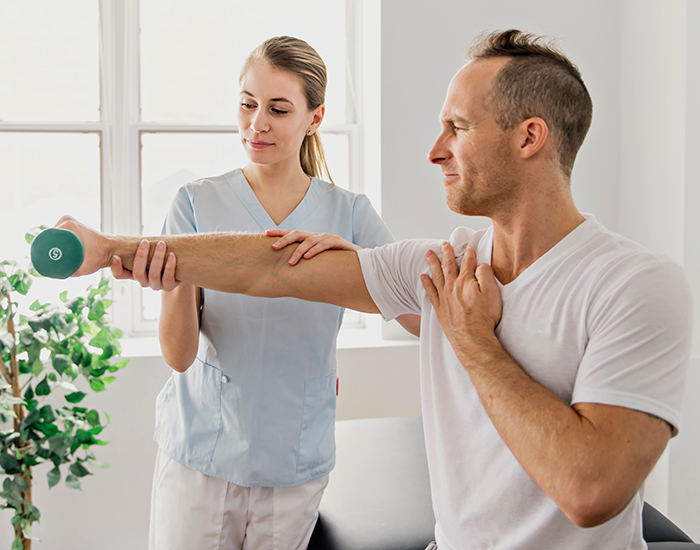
437 153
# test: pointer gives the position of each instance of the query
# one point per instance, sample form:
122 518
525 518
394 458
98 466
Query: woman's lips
259 144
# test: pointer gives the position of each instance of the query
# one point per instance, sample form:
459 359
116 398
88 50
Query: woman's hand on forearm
311 243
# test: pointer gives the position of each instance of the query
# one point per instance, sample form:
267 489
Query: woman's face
272 116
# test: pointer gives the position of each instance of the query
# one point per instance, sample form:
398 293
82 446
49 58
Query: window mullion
119 32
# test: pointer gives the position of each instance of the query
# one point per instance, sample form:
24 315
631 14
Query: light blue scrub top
257 407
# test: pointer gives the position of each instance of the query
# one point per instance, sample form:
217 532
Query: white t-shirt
595 319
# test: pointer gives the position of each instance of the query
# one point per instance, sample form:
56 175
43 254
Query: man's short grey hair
538 81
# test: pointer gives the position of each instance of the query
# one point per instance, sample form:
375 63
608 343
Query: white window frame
121 131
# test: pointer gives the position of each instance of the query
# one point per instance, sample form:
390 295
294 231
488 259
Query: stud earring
310 133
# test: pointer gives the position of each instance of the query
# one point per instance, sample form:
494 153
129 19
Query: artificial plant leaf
9 463
37 367
97 311
101 340
75 397
78 470
73 482
32 512
48 429
21 483
53 477
7 341
97 385
93 418
47 413
60 363
43 388
97 464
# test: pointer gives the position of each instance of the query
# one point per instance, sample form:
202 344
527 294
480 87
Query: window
110 106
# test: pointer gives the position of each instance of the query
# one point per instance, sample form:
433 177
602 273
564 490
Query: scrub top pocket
317 437
188 412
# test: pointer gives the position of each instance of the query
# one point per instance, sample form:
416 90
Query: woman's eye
279 111
247 105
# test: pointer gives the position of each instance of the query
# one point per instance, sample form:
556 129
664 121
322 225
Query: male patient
553 352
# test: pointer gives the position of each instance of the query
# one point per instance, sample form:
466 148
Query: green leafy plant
44 355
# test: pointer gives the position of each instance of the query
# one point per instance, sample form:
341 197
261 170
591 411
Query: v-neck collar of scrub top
249 199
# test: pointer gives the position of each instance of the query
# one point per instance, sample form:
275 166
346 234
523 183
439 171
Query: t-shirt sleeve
638 351
392 275
368 229
180 218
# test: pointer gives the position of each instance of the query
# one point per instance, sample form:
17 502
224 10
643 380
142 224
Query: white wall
423 45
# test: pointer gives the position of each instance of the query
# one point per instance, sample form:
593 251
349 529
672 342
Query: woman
245 427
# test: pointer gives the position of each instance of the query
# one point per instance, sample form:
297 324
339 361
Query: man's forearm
228 262
590 459
240 263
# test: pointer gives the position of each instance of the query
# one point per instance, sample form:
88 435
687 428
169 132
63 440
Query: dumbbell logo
55 253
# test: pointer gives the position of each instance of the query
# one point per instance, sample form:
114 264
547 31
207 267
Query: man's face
477 157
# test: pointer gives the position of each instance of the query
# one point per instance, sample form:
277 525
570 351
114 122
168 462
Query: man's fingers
468 265
449 263
430 290
438 277
485 277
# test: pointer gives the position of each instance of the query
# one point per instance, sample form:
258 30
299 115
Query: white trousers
194 511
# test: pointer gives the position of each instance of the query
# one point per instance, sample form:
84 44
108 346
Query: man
553 351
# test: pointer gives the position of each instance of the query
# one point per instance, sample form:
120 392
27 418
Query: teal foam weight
57 253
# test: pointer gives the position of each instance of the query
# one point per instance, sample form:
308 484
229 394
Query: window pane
42 177
49 60
168 161
192 52
336 149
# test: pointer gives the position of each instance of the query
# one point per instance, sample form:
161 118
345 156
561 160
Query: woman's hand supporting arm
178 326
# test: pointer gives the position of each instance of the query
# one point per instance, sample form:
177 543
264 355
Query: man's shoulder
614 262
607 247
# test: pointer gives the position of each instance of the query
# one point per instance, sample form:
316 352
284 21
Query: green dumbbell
57 253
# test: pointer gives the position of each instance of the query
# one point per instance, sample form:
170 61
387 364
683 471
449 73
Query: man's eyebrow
274 99
456 120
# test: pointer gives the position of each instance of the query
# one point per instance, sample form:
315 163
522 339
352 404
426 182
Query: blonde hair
299 58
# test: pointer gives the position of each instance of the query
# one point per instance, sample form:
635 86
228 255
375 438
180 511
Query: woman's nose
259 123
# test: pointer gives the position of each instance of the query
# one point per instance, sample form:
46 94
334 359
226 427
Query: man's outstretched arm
236 263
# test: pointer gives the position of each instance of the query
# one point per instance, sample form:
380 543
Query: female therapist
245 426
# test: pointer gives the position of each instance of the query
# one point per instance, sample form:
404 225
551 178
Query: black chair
378 497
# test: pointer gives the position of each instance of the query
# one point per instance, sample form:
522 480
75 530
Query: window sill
348 338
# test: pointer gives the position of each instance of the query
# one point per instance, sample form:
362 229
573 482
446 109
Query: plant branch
16 389
5 371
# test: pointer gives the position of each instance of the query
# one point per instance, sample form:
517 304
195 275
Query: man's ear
532 136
